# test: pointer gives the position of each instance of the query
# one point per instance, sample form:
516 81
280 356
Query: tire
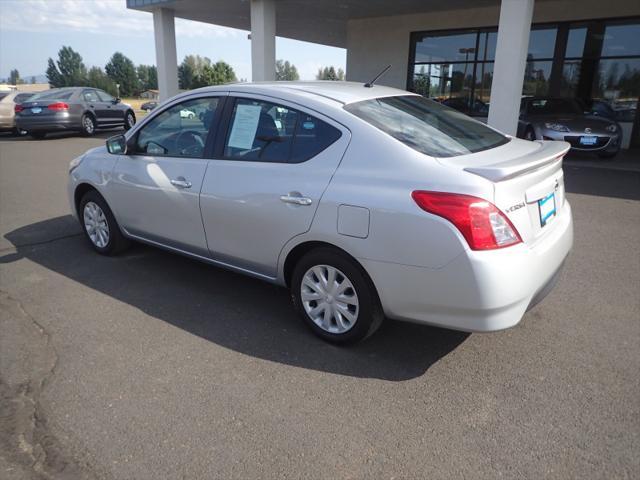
190 116
608 155
363 315
38 135
96 218
17 132
129 120
88 125
529 134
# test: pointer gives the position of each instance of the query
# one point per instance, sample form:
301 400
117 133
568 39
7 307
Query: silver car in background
8 103
565 119
366 202
80 109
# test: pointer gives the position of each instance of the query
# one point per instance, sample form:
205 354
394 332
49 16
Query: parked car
8 102
79 109
546 118
464 104
365 202
148 106
187 113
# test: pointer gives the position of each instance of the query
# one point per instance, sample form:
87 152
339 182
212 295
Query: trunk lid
527 179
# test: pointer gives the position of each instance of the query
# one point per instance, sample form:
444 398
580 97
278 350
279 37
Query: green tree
122 71
68 71
192 66
286 71
98 79
330 73
147 77
14 77
216 74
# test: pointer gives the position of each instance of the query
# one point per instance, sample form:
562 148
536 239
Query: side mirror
117 100
117 145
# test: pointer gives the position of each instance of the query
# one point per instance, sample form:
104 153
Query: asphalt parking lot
152 366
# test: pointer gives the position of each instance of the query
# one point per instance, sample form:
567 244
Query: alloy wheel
88 125
95 223
329 299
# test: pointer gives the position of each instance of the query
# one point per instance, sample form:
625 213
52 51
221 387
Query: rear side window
267 132
427 126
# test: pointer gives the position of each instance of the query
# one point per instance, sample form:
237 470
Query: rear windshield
554 106
427 126
52 95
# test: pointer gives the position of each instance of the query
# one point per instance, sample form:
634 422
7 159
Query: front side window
179 131
266 132
427 126
104 96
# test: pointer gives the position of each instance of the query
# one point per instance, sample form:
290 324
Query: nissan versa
366 202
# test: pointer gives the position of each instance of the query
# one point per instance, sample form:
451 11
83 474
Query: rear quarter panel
379 173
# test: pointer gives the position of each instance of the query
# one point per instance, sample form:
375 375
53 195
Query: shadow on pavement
103 134
233 311
602 182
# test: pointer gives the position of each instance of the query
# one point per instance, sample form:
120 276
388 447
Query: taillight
18 108
58 106
480 222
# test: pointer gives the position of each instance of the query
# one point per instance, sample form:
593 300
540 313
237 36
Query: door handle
296 200
180 182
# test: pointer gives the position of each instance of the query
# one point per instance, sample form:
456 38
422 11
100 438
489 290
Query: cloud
105 16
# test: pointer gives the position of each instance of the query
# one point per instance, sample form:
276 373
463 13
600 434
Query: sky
31 31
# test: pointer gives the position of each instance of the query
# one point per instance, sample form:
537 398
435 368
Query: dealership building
482 55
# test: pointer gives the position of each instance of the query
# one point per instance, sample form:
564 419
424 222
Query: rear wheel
18 132
88 125
99 225
335 297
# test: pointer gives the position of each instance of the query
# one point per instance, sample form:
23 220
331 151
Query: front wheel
88 125
335 297
129 121
99 225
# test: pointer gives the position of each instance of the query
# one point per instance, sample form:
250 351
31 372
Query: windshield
427 126
554 106
54 94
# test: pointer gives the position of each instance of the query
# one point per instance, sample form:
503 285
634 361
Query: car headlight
75 163
558 127
613 128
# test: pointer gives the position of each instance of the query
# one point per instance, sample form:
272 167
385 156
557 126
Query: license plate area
547 208
588 140
36 109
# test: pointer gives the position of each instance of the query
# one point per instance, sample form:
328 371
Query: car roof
341 92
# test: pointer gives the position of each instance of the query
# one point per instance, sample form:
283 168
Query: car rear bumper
477 291
33 124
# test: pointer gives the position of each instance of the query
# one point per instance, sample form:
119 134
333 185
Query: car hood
575 123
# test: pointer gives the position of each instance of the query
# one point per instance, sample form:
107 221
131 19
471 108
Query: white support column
164 31
511 59
263 40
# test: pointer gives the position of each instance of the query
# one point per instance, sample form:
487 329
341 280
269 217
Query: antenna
370 84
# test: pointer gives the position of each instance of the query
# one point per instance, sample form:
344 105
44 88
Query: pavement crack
43 242
25 437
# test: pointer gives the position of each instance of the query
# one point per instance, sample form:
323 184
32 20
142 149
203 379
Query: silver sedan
367 203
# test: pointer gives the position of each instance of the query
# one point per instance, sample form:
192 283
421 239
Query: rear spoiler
548 153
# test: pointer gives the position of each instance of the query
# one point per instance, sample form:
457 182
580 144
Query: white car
187 114
366 202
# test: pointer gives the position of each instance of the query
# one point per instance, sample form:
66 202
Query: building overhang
317 21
